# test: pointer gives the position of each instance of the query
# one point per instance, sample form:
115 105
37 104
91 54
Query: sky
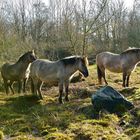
128 3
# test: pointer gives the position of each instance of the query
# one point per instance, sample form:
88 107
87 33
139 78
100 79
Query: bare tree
134 25
90 13
71 26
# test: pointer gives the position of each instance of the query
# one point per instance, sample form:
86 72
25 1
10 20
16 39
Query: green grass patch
26 117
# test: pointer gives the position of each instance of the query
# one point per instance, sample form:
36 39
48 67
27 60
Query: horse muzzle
33 59
85 73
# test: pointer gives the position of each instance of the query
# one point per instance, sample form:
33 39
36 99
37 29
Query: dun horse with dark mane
56 71
17 72
120 63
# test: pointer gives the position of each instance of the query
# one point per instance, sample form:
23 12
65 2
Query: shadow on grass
88 111
128 91
14 112
22 104
27 114
15 107
81 93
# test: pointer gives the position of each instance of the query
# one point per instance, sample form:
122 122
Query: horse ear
85 58
33 51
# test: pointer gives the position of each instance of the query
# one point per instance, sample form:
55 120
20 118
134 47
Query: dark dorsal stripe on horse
69 60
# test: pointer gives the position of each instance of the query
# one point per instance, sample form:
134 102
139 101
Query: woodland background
67 27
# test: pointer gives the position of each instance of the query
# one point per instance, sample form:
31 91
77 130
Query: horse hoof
123 86
67 99
61 101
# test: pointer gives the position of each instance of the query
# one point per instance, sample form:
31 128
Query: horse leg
99 72
39 85
19 86
6 86
34 83
10 85
124 79
60 92
24 84
67 90
103 74
127 80
32 86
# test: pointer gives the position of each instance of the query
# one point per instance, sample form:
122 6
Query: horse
60 71
18 71
124 62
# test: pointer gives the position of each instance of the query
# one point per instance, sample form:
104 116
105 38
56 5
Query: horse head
82 65
30 56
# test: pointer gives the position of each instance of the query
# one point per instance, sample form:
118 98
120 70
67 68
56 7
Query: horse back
11 72
109 61
45 70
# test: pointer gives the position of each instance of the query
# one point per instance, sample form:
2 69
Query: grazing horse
120 63
59 71
17 72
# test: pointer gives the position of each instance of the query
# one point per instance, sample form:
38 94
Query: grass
24 117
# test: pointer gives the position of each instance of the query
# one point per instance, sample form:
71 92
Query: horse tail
99 73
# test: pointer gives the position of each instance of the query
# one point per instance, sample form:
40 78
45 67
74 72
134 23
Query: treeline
63 27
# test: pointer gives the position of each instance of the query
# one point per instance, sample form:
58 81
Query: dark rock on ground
111 100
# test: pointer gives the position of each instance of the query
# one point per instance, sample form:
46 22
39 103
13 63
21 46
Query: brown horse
59 71
120 63
17 72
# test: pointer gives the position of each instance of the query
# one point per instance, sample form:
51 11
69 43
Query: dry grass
26 117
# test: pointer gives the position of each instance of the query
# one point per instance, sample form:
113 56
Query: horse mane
23 57
130 51
69 60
